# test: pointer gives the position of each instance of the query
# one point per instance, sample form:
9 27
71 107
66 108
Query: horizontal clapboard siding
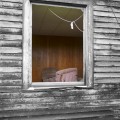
106 41
100 103
11 5
11 45
11 31
64 103
14 1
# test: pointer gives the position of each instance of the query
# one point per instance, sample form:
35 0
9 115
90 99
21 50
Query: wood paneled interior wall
58 52
100 103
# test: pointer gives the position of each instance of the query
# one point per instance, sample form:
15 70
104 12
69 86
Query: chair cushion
67 75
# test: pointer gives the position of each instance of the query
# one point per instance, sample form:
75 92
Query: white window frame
88 44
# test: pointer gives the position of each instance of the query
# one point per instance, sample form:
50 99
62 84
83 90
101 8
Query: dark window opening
57 45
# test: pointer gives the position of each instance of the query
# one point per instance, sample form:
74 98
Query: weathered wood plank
16 1
37 94
107 80
11 83
108 36
11 12
106 3
10 56
104 117
9 76
106 14
106 30
53 112
10 63
104 20
51 100
10 24
107 52
81 93
60 105
10 37
72 116
10 44
107 75
106 47
10 88
116 0
106 9
107 69
10 50
12 31
11 5
106 25
11 18
10 69
107 41
110 64
107 58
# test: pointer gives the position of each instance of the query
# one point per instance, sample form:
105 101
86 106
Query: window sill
57 85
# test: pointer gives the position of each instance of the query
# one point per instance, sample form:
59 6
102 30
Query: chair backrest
48 74
67 75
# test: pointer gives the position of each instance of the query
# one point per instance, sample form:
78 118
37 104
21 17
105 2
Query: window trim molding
27 39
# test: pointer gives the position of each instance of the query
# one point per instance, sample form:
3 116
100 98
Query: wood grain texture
107 58
11 83
103 19
10 43
10 24
107 42
10 69
11 5
58 52
106 14
4 18
107 36
11 12
14 1
14 76
10 50
106 30
106 9
10 37
10 56
107 52
10 63
106 3
11 31
100 103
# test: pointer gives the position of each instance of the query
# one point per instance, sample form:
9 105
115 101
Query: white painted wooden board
11 5
11 24
10 50
107 69
10 69
106 9
11 31
103 46
16 1
11 12
106 3
107 41
107 30
106 52
107 58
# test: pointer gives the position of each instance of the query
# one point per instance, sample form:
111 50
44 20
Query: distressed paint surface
100 103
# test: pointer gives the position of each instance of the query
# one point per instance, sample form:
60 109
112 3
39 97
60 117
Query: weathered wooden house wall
100 103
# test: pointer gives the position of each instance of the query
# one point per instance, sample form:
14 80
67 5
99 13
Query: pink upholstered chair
67 75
